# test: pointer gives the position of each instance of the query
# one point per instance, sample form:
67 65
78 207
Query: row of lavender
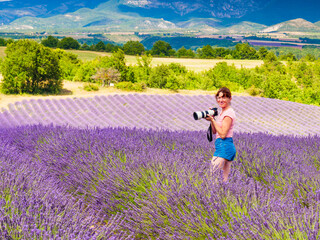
119 183
172 112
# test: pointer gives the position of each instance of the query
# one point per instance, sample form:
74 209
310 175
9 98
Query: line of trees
33 68
163 49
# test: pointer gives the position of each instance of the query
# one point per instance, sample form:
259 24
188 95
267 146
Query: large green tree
162 48
183 52
50 42
68 43
30 67
245 51
133 48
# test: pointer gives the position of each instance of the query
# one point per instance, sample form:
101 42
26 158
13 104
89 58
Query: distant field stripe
169 112
148 111
102 112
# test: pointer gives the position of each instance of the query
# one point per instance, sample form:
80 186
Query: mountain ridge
111 16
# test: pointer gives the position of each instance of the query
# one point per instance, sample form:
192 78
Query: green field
196 65
191 64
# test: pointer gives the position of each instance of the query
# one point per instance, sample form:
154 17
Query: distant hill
210 24
317 23
106 16
296 25
12 10
243 27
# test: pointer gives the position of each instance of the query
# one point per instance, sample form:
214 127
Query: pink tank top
227 113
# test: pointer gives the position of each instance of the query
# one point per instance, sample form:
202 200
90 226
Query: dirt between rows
76 90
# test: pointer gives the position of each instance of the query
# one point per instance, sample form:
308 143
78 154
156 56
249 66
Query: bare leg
216 163
226 169
221 163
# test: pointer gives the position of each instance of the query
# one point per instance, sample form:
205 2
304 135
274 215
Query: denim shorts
225 148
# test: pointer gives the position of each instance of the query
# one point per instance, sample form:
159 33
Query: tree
86 70
206 52
183 52
133 48
50 41
220 52
69 63
85 46
162 48
110 47
309 57
3 42
159 76
100 46
143 69
107 76
288 57
68 43
117 61
270 57
244 51
30 67
9 41
262 52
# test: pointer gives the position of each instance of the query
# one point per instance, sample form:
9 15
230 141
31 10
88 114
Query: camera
198 115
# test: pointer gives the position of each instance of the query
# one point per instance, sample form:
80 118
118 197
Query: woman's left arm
224 129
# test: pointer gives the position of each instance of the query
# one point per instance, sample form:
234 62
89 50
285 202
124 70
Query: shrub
90 87
104 76
254 91
30 67
69 64
86 71
129 86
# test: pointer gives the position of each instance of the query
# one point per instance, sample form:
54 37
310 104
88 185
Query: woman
225 150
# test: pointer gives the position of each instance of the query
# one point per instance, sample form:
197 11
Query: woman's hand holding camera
209 118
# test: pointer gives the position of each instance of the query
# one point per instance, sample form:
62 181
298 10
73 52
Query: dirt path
75 90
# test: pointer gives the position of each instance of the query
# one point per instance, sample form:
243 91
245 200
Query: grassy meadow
196 65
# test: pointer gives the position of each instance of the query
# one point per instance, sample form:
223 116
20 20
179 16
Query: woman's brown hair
225 91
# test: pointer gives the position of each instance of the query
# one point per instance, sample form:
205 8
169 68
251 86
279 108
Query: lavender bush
128 183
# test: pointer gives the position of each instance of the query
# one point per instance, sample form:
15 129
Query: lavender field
170 112
137 167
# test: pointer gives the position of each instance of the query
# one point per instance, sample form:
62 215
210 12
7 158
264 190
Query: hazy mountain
243 27
205 15
266 12
296 25
178 9
317 23
106 16
14 9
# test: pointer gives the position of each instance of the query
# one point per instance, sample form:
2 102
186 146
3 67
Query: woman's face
223 101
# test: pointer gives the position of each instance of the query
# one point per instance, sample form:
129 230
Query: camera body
202 114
